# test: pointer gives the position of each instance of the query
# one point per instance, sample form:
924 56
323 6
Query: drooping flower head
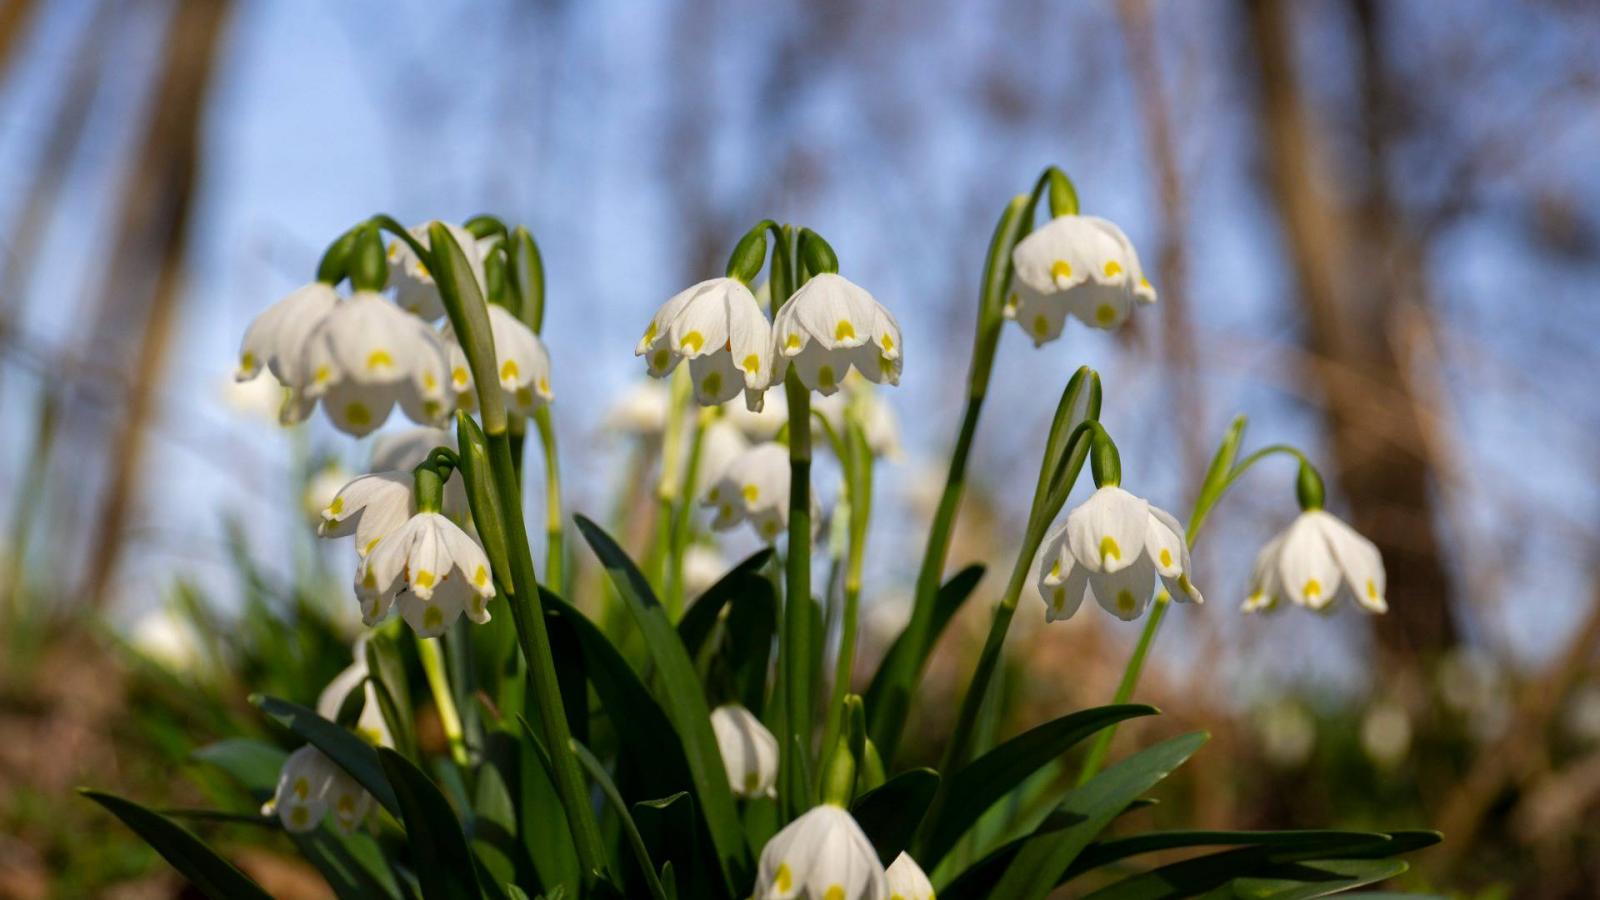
830 326
1315 560
415 290
907 881
1078 265
309 787
278 336
431 570
749 751
755 488
1115 545
404 449
718 326
370 724
822 855
370 507
524 364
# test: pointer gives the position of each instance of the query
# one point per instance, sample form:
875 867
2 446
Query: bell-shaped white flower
759 425
309 787
721 443
370 724
371 507
431 570
640 411
277 337
822 855
907 881
718 326
1115 545
405 449
524 364
830 325
415 290
753 487
1315 560
749 751
363 358
1078 265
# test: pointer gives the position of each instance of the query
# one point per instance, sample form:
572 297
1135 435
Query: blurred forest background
1375 227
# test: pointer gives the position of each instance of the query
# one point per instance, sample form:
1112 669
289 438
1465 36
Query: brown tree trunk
144 281
1354 274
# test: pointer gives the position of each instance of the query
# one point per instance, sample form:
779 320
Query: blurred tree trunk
1355 266
144 281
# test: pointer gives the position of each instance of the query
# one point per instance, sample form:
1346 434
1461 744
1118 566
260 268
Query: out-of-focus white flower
1386 733
1079 265
763 425
361 359
703 566
259 398
524 365
822 855
1116 545
1472 686
720 444
830 325
322 487
165 638
718 326
878 422
415 289
749 751
370 725
371 507
309 786
907 881
277 337
753 487
641 410
405 449
431 570
1316 559
1287 732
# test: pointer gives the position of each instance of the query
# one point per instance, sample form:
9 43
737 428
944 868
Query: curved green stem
439 684
555 537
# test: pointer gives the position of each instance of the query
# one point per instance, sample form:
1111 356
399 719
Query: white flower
1080 265
703 566
753 487
370 724
258 399
718 326
823 855
1316 559
321 488
524 364
361 359
168 639
1386 733
431 570
720 444
309 785
414 286
749 751
370 507
1115 545
640 411
278 336
763 424
830 325
404 450
907 881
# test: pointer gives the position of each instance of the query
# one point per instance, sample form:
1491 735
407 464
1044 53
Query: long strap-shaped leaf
683 700
1245 873
977 786
445 867
206 870
1045 858
630 831
697 622
891 812
348 751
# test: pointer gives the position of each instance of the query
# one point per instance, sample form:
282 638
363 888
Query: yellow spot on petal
322 375
1166 557
1145 283
459 376
1060 269
1125 601
1312 589
835 892
1113 268
715 495
509 370
1041 325
423 579
825 377
1109 549
300 817
844 331
346 805
692 342
358 414
750 492
1055 569
886 341
369 580
368 549
429 381
792 342
1060 598
302 787
524 397
752 363
480 577
247 361
336 506
659 360
432 619
752 780
1372 589
783 880
379 359
544 385
650 333
1105 314
712 384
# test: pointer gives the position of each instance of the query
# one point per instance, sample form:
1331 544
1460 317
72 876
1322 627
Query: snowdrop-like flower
431 570
720 444
640 411
1079 265
524 364
749 751
167 638
309 786
277 337
415 289
720 329
321 488
362 358
830 325
753 487
404 450
257 399
371 508
907 881
760 425
1315 560
822 855
370 725
1114 545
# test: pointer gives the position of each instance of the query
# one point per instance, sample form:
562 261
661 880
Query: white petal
1042 316
833 311
359 409
1360 562
1126 592
907 881
749 338
716 379
427 563
1306 564
821 369
661 323
1062 599
1164 544
702 326
333 696
1107 532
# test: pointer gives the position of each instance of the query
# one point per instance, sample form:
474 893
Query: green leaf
1322 843
253 764
946 603
351 864
347 751
1250 872
387 670
1043 859
445 867
673 832
683 700
701 617
979 784
208 872
891 812
752 623
630 831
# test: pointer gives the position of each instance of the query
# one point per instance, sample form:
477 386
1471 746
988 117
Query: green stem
439 683
679 536
667 485
797 593
859 489
555 537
